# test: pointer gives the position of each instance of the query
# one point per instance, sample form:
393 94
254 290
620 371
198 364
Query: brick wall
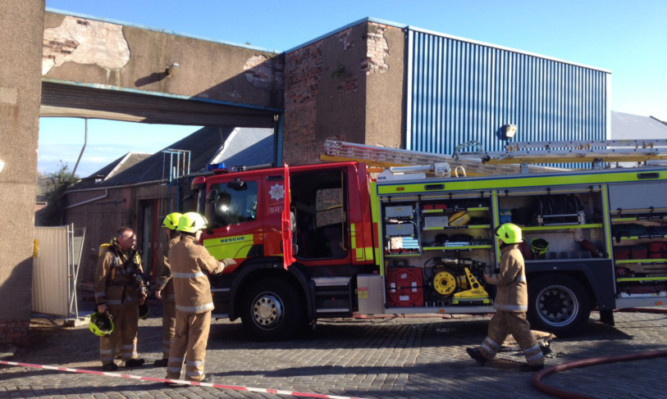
348 85
14 332
377 50
303 74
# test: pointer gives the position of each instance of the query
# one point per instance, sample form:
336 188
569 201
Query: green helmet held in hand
101 324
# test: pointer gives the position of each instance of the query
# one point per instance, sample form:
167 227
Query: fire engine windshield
231 203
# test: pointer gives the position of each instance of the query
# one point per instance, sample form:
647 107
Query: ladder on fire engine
517 157
392 158
594 152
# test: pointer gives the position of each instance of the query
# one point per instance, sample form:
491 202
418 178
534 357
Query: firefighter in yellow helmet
164 290
190 264
119 289
511 304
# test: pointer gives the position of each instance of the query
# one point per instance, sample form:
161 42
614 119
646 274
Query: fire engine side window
232 203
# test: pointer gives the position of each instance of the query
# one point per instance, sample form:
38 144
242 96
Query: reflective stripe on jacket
190 263
512 295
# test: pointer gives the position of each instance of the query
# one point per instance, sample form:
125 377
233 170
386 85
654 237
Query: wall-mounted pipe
88 201
85 141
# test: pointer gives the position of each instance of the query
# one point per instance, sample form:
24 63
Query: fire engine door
231 210
319 205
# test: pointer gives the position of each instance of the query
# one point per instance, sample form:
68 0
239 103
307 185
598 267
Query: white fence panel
50 274
55 270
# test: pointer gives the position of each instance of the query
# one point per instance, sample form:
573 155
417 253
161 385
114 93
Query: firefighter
511 304
165 288
119 288
190 263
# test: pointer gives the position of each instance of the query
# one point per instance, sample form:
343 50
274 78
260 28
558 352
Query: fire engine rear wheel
558 303
272 310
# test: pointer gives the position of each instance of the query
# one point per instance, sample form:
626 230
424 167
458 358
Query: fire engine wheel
444 282
272 310
558 304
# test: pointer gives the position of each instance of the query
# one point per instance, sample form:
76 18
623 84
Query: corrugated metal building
461 90
428 91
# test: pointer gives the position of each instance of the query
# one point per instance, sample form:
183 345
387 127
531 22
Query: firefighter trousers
515 323
124 335
189 344
168 326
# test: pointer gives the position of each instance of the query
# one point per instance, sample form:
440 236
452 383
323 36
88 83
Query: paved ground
388 358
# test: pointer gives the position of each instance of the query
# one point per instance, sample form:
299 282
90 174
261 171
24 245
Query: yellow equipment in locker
474 296
460 218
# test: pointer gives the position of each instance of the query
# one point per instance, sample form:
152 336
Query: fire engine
337 239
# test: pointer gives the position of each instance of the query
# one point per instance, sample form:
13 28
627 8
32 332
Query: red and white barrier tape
180 382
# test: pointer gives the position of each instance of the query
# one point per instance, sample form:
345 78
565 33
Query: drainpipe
106 194
85 141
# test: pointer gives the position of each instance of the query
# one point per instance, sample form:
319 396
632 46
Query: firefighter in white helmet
165 287
119 289
190 264
511 304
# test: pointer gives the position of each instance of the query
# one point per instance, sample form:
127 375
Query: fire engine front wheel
558 303
272 310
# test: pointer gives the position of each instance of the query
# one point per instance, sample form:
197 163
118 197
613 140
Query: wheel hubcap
267 310
557 306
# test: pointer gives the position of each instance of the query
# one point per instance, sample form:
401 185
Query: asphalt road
377 358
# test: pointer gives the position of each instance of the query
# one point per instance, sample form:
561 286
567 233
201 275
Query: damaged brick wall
85 41
303 70
89 51
377 50
264 72
349 86
324 94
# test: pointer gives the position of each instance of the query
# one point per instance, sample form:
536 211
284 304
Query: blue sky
627 38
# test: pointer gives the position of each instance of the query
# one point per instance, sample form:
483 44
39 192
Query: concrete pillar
21 30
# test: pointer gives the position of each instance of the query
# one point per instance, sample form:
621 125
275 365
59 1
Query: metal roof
629 126
234 146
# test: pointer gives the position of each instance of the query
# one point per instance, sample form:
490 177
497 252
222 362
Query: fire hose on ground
537 377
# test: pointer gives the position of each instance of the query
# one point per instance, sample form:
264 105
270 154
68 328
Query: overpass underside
70 99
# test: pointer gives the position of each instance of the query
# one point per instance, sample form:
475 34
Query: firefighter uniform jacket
164 280
190 263
115 281
512 295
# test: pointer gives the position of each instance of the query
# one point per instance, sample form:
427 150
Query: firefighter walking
190 263
119 290
511 304
165 288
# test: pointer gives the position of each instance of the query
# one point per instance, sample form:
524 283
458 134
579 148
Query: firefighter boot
134 362
110 366
476 354
161 363
207 379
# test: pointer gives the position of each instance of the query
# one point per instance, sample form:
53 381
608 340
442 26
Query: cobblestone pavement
378 358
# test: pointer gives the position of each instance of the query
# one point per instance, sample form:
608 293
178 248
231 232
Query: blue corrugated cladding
462 91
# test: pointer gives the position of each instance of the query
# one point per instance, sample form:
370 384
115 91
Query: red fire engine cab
328 231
